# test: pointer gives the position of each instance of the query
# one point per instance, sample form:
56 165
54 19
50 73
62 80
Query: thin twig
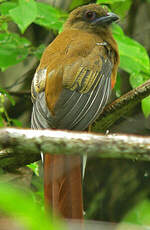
19 93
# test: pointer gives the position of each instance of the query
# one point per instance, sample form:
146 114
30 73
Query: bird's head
92 18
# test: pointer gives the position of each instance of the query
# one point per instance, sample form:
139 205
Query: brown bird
71 87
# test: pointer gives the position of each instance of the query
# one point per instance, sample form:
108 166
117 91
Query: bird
70 88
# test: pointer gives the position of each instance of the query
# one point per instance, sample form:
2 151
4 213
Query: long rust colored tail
63 185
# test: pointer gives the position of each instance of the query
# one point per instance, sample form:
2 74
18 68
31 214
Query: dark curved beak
106 20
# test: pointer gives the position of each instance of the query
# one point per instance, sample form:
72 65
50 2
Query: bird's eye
90 15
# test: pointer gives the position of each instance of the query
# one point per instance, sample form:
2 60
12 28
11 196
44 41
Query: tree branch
24 146
19 93
120 107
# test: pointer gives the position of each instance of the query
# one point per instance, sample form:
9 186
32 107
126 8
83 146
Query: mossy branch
22 146
120 107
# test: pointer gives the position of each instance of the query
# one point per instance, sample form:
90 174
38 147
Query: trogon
70 88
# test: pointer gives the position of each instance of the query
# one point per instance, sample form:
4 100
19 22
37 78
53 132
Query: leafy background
26 28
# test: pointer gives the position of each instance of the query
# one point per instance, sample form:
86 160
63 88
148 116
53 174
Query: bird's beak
106 20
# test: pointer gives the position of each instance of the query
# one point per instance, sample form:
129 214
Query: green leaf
49 17
118 85
5 93
13 49
146 106
24 14
121 8
138 79
133 56
6 6
108 1
16 123
76 3
3 26
35 168
20 206
39 51
1 121
2 109
139 214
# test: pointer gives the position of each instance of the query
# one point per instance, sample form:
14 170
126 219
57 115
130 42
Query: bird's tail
63 185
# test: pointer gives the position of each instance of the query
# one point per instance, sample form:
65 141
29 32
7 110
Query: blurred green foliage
21 206
4 117
35 168
139 214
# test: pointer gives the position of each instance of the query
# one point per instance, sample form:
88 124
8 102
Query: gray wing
41 118
79 105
